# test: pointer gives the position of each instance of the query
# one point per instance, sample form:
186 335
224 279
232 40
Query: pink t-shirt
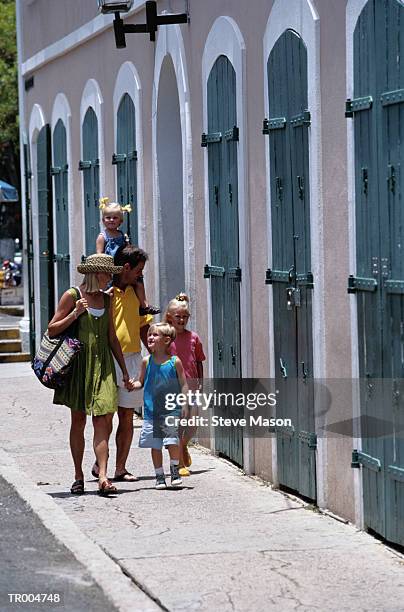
189 349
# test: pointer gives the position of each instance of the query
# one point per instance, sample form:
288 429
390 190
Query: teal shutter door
126 165
224 268
45 227
290 275
378 112
30 250
90 167
60 177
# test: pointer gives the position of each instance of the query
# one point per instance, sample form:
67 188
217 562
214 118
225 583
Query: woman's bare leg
78 423
102 431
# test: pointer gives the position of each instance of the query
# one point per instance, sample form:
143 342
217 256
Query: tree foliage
8 75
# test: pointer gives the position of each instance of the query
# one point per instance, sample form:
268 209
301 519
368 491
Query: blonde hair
91 284
111 208
164 329
180 301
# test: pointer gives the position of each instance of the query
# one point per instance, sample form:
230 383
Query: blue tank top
112 244
160 379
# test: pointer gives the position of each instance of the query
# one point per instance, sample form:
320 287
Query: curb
117 587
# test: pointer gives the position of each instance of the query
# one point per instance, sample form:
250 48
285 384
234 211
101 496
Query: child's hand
184 412
127 382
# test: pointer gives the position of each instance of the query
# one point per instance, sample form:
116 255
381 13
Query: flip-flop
93 470
77 487
125 477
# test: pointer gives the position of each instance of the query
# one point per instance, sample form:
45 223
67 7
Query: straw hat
99 263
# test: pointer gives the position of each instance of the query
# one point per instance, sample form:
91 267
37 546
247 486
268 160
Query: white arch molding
36 123
170 42
61 110
92 97
302 17
225 38
128 82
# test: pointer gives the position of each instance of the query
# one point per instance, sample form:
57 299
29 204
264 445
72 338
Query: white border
303 18
353 11
128 81
61 110
225 38
78 37
36 122
170 42
92 97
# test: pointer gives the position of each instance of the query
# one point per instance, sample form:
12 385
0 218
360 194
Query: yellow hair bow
181 297
127 208
103 202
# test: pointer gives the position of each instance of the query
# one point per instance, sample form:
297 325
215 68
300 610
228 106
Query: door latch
219 352
233 356
292 297
284 371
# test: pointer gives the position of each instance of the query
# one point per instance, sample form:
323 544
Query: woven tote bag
54 359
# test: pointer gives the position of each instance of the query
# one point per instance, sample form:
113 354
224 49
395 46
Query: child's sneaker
175 477
184 471
160 481
153 310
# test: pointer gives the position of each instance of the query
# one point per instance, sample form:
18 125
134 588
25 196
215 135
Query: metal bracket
276 276
309 438
210 271
210 138
275 123
232 134
392 97
118 158
359 458
301 120
357 283
357 104
234 273
84 165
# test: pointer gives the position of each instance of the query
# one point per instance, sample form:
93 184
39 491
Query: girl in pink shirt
188 347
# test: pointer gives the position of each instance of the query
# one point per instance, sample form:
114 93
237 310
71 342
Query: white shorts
129 399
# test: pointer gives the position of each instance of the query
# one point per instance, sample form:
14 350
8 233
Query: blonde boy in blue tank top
161 374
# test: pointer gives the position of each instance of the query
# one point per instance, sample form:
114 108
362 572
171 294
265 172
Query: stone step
12 310
10 346
14 357
8 333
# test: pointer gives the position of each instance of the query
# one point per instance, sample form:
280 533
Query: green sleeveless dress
91 387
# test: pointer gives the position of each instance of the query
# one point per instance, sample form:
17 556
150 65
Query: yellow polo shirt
125 310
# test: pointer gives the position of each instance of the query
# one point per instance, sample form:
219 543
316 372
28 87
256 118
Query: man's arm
143 335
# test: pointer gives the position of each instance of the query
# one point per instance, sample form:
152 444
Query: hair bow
127 208
181 297
103 202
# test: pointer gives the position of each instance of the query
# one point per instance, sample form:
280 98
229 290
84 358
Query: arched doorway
60 177
170 219
291 276
377 109
125 160
90 165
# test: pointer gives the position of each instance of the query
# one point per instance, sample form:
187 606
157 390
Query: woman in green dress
91 388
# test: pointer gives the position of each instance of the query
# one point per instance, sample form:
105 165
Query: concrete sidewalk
224 542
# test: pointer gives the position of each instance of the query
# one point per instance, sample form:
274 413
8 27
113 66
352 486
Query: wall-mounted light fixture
153 21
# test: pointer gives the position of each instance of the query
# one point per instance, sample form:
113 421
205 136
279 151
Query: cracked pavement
223 542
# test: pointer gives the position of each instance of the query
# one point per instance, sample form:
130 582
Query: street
224 542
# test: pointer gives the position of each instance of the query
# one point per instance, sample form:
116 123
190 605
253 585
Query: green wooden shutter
290 275
45 227
224 268
90 167
60 174
30 250
126 163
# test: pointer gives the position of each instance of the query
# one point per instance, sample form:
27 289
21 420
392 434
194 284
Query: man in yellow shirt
130 329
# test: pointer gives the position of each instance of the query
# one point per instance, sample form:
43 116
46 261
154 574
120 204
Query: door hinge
357 104
84 164
276 123
392 97
232 134
300 120
359 458
55 170
211 138
276 276
357 283
235 273
309 438
118 158
210 271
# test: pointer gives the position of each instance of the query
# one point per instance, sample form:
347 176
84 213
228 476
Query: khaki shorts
129 399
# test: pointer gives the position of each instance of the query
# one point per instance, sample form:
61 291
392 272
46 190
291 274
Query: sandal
106 488
95 470
77 487
125 477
